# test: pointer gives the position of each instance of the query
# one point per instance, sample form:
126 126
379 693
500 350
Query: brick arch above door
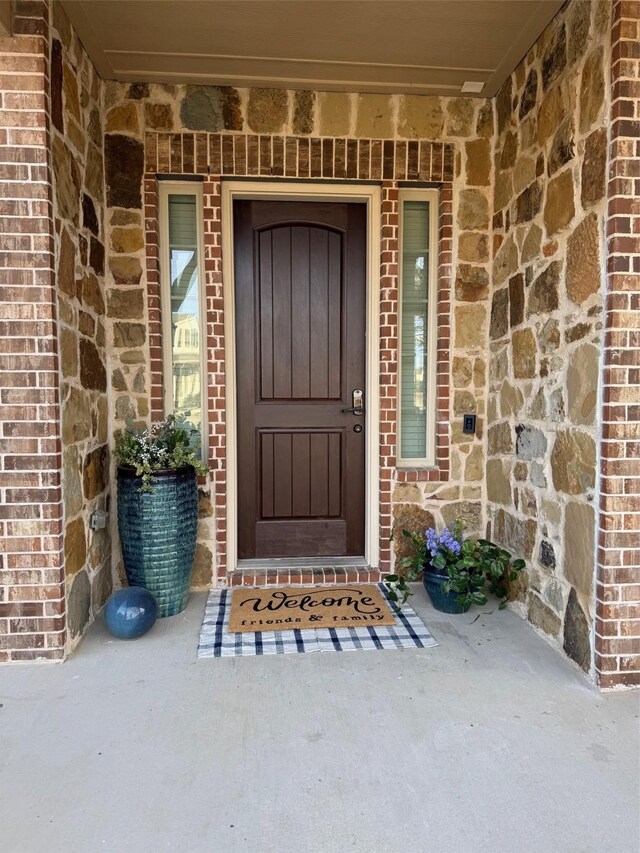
250 155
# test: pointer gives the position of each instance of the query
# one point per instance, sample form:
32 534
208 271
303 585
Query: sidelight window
182 302
417 327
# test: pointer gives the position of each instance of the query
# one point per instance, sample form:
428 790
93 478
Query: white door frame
298 191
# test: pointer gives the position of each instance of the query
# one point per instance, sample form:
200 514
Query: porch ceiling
419 46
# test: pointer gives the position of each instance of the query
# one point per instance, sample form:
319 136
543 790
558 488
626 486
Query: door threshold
282 572
277 563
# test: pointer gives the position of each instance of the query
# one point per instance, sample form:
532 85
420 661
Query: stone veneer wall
546 185
275 133
78 211
546 330
55 573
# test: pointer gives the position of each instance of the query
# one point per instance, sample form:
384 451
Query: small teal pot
445 602
158 534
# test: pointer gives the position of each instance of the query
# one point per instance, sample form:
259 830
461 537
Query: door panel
299 474
300 322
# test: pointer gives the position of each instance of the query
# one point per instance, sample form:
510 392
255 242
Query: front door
300 295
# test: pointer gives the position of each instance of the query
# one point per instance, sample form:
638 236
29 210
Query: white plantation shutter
183 247
417 350
414 328
183 222
182 302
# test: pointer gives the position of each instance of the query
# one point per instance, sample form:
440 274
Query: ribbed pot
445 602
158 533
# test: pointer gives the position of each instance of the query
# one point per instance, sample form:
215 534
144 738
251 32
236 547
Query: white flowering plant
165 445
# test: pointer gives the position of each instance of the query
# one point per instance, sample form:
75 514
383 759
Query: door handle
358 407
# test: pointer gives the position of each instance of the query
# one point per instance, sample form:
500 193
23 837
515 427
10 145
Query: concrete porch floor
489 742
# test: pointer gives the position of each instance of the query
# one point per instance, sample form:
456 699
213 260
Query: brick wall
32 592
152 241
618 582
241 156
216 396
388 367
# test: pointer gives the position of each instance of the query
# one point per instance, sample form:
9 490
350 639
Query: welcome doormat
216 640
348 606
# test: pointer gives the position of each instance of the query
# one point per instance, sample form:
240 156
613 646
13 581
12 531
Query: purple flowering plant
472 568
444 547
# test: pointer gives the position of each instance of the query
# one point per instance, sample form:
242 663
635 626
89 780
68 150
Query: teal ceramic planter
158 534
445 602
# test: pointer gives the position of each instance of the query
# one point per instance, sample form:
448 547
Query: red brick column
215 374
32 598
154 327
389 249
617 641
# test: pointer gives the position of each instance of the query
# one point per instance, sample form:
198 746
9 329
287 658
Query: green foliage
169 444
480 569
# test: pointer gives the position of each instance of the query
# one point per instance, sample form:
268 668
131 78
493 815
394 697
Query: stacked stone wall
183 130
546 329
78 211
537 308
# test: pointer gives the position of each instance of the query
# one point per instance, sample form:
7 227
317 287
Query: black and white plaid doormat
409 632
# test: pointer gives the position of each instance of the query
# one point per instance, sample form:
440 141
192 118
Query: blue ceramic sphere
130 612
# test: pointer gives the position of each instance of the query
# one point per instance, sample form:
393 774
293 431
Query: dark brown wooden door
300 288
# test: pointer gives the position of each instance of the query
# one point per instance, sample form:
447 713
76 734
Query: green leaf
391 578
